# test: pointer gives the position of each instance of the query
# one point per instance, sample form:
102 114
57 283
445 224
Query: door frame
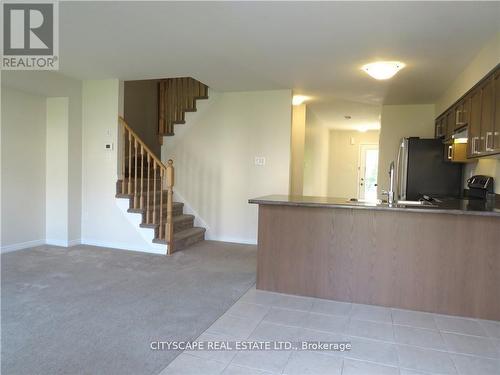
362 149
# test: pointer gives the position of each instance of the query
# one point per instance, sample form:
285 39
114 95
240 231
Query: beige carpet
91 310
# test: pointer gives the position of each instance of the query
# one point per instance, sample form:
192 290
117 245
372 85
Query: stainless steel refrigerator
422 170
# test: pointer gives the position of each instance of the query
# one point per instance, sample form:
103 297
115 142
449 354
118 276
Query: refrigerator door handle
402 168
398 170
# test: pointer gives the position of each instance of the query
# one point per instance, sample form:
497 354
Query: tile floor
384 340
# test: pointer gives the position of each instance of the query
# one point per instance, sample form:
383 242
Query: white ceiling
331 112
315 48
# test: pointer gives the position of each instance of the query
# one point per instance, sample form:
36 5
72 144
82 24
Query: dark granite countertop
451 206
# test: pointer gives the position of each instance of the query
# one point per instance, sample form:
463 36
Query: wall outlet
260 161
108 146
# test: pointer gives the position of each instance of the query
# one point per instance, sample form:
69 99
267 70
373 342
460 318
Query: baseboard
74 242
202 223
162 250
62 243
52 242
153 249
244 241
21 246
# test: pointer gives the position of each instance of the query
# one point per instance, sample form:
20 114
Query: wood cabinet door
487 112
439 131
463 115
450 123
473 148
496 109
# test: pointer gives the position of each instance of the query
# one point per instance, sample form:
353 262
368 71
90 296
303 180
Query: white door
368 168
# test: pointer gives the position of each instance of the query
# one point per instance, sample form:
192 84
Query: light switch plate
260 161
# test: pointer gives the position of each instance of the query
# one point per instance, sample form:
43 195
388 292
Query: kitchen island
430 258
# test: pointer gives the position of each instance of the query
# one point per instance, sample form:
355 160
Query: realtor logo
30 35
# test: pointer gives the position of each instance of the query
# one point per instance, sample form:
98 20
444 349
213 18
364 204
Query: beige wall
214 159
23 135
53 85
316 158
56 186
344 161
399 121
487 59
297 149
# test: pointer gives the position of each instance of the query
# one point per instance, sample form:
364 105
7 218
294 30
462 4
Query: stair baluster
160 228
129 163
154 191
123 159
141 200
135 173
169 226
147 194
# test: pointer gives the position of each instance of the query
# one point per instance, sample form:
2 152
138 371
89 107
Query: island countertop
454 206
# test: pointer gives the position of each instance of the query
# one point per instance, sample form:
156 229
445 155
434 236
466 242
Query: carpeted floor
91 310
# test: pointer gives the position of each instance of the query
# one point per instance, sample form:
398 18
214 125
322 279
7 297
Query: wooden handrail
163 177
146 148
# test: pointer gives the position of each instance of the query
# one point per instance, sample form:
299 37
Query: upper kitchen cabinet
450 123
440 130
478 111
496 105
487 115
474 145
462 113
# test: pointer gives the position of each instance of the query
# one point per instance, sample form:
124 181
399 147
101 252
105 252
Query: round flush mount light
299 99
347 117
383 69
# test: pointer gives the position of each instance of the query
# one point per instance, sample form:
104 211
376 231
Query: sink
354 200
411 203
415 203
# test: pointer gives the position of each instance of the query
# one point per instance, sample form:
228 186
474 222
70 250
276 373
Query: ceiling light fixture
299 99
383 69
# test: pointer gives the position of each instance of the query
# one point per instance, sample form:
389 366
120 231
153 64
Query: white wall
316 159
344 160
486 60
49 85
23 169
56 182
104 223
214 159
399 121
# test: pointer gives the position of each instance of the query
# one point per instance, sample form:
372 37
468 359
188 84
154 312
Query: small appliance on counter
479 187
480 194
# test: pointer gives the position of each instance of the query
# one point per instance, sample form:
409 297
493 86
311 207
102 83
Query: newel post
169 226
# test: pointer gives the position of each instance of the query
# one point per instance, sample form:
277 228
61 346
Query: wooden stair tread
188 233
157 207
183 235
177 218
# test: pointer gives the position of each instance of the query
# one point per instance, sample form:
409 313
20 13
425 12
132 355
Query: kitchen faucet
391 194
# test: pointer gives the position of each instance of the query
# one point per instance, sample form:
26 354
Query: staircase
148 185
176 96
